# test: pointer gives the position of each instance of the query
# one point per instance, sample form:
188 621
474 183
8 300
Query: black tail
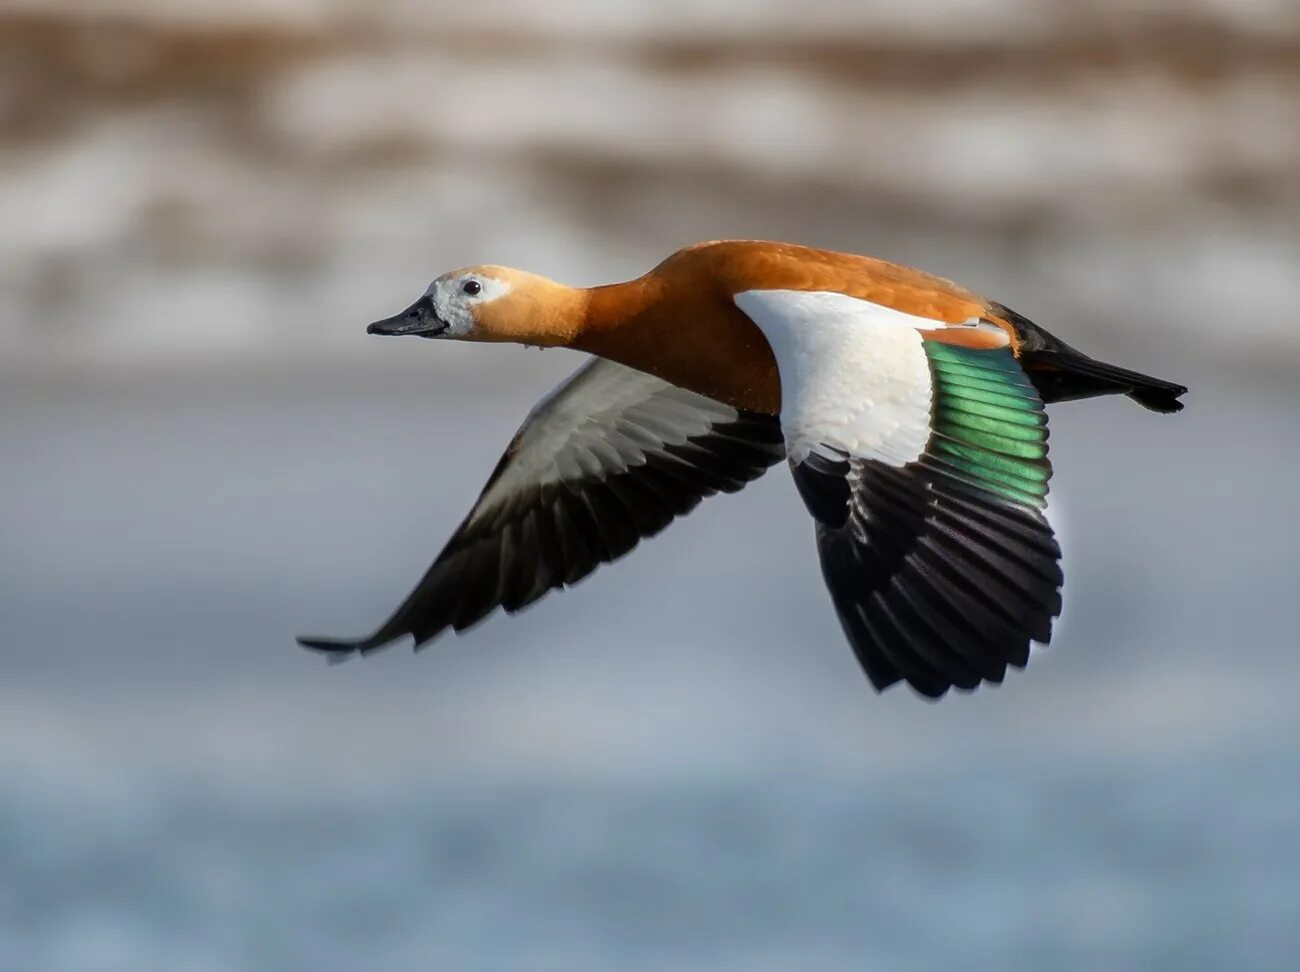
1062 374
1061 377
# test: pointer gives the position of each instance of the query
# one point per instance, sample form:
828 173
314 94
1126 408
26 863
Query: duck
910 411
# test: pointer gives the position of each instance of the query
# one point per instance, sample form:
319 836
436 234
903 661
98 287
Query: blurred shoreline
235 181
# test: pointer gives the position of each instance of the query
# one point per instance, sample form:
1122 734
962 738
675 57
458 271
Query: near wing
943 570
609 457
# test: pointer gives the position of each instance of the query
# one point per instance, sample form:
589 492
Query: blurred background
678 764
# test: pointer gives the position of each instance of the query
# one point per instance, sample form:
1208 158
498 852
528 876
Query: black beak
419 319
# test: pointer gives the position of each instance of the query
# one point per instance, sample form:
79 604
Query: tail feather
1062 374
1062 377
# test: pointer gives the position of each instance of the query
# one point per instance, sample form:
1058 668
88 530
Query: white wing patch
854 376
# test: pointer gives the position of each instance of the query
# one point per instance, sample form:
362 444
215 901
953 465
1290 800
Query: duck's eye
471 287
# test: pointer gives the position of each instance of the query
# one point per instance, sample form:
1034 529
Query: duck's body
911 411
682 323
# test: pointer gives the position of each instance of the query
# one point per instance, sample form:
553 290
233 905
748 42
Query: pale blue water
1085 866
677 765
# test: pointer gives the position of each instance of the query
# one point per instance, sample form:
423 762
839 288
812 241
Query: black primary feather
608 459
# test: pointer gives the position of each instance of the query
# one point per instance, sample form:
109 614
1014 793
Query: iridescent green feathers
989 426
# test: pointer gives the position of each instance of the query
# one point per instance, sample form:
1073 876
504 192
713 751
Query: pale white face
455 295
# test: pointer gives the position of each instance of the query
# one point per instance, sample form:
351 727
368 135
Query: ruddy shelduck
911 412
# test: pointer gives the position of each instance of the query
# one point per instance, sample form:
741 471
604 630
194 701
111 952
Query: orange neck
694 337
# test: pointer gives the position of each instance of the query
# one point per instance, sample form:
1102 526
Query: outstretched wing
611 456
922 456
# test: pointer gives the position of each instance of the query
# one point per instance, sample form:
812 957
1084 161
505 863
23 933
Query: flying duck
910 410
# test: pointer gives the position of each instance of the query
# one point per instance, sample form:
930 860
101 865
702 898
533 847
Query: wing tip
932 692
337 649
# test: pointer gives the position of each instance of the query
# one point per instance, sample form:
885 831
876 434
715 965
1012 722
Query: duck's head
489 303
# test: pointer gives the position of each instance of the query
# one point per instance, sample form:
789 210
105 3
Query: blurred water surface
678 763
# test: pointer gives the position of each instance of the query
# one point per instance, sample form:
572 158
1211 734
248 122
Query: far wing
611 456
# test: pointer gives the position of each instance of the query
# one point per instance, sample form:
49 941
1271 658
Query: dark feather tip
330 646
1163 400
